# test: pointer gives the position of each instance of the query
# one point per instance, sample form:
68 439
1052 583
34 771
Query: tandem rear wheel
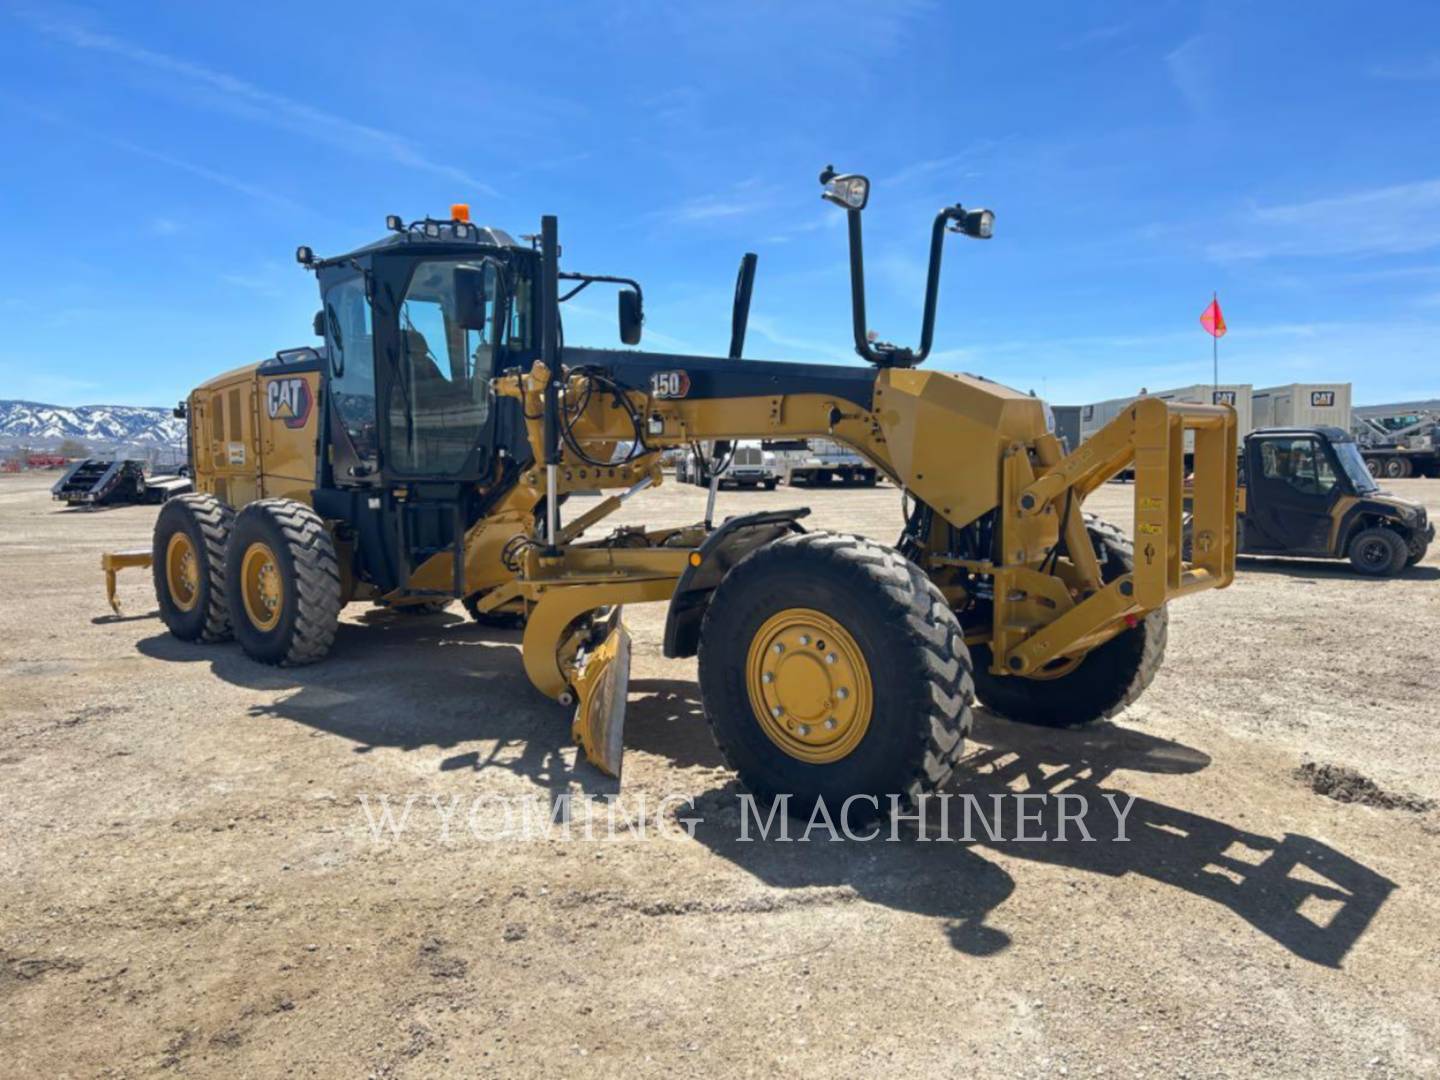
282 582
188 563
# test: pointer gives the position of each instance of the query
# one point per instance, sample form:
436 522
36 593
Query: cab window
441 397
352 365
1301 464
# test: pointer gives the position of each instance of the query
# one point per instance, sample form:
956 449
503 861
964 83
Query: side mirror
318 325
632 318
480 297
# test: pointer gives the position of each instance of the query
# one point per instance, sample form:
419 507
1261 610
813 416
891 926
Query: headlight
851 191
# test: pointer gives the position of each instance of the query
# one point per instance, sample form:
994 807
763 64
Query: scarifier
425 451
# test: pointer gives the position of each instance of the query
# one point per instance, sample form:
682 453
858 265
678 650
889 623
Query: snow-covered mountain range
99 427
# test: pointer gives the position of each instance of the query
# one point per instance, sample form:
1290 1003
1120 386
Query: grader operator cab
425 452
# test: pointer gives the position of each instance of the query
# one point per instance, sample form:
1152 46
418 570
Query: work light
850 190
978 224
394 223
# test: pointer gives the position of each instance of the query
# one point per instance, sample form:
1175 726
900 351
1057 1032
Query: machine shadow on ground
1327 568
476 693
1312 900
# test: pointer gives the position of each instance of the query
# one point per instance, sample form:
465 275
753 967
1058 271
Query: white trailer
1302 405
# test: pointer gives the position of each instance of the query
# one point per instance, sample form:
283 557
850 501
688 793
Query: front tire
831 666
1106 680
282 578
188 563
1378 552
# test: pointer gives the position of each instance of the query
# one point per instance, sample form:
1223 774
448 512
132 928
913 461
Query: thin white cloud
1191 68
160 225
1395 220
255 103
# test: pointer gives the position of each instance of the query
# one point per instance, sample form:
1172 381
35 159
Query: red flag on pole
1212 320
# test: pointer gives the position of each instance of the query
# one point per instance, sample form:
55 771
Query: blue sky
162 161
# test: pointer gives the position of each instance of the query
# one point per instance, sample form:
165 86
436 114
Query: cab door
1292 490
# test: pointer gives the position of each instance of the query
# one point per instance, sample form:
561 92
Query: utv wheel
188 562
1378 552
1102 682
283 580
830 666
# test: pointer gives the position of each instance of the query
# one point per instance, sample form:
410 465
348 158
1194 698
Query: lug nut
804 639
830 724
830 658
804 729
775 711
768 677
842 693
779 648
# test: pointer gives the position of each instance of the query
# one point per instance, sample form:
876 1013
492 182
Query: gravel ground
190 883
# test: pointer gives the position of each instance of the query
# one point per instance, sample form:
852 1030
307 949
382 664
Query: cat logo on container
1322 399
669 384
288 400
1224 397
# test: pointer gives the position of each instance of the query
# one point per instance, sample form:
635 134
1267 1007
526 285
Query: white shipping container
1236 395
1302 405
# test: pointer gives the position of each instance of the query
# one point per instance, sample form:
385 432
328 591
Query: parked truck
1399 440
820 463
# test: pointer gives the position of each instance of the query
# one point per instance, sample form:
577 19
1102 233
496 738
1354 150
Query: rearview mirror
475 289
631 317
318 325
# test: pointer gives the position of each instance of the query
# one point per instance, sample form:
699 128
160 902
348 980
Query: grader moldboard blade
602 682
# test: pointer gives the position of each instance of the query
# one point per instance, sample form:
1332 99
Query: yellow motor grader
425 452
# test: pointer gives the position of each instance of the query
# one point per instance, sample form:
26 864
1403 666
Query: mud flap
602 683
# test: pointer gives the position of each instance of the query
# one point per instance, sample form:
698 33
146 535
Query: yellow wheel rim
809 685
260 586
182 572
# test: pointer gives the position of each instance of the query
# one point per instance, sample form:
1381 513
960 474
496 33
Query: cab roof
430 234
1325 431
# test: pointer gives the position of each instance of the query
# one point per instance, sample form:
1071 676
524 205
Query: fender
721 550
1353 521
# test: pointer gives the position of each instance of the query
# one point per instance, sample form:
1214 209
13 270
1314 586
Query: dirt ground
190 883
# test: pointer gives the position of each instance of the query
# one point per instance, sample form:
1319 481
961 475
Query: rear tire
188 563
897 640
282 578
1397 468
1378 552
1107 679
